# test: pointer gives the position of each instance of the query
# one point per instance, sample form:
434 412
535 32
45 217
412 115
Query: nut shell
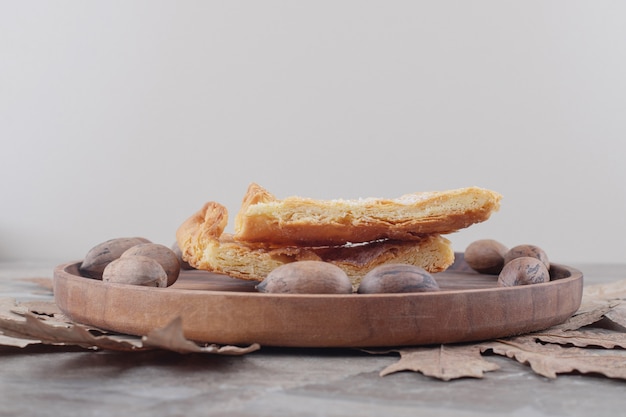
104 253
306 277
397 278
135 270
526 250
160 253
523 271
486 256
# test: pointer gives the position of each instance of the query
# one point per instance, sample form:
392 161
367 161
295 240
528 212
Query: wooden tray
219 309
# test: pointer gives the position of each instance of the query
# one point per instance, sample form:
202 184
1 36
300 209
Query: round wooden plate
219 309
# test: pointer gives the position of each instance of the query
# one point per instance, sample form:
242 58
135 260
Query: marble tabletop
42 380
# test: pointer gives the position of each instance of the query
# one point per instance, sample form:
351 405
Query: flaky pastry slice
205 246
305 221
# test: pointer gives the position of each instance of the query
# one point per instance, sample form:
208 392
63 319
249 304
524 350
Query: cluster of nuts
521 265
138 261
133 260
317 277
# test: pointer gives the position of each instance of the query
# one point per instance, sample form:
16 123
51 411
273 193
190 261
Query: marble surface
67 381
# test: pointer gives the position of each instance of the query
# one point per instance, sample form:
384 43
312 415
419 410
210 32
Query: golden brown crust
205 225
308 222
204 246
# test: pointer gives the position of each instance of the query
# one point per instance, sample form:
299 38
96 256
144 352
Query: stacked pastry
356 235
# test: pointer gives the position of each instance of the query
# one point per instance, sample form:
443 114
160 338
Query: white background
121 118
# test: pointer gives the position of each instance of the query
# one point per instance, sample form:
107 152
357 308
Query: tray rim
575 274
63 277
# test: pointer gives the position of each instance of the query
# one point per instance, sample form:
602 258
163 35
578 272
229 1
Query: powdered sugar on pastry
305 221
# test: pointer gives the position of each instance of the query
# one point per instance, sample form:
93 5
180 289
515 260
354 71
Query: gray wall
122 118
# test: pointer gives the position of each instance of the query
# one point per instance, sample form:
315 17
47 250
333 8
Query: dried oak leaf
617 315
40 308
605 338
18 322
171 337
601 303
612 294
586 317
27 323
610 291
549 359
16 341
444 362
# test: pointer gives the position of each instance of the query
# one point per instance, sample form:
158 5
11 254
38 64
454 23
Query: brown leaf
44 308
586 317
617 315
46 324
171 337
610 291
55 333
598 296
601 305
582 338
15 341
550 360
10 309
445 362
